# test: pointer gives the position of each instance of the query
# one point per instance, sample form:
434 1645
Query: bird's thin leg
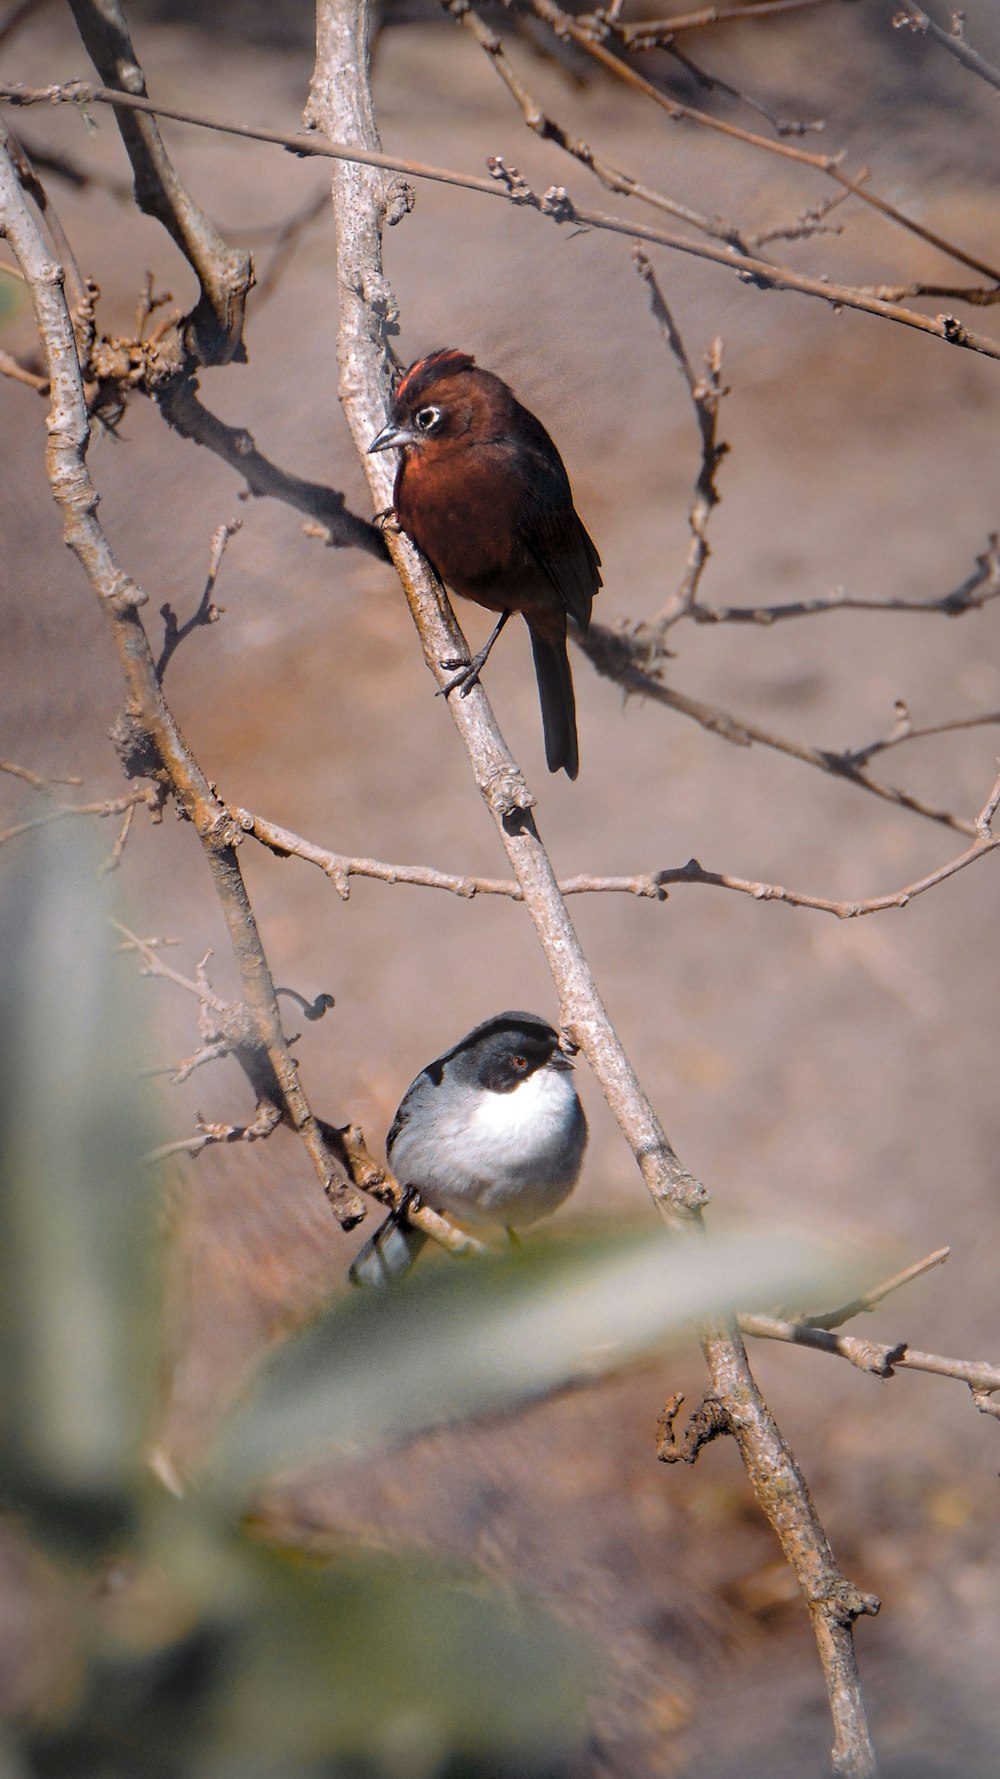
469 671
409 1201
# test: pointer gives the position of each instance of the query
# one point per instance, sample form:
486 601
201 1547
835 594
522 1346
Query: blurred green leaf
78 1249
268 1665
394 1661
468 1338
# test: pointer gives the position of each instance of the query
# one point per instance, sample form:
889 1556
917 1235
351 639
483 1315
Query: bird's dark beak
561 1063
390 437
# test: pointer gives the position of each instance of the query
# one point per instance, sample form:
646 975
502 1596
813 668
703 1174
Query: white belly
514 1161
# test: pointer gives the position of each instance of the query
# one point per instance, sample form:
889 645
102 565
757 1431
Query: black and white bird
491 1132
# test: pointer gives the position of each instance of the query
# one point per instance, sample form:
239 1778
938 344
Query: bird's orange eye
427 418
519 1064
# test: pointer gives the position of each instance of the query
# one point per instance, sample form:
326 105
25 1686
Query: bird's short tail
389 1254
555 695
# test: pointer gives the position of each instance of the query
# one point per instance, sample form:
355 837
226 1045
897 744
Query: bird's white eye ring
427 418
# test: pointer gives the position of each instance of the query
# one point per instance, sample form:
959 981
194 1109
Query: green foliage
194 1650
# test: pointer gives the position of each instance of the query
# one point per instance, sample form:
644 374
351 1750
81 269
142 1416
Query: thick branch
182 409
224 273
340 103
148 738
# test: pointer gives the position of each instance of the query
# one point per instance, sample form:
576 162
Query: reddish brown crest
446 362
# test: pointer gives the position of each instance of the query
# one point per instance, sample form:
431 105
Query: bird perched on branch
482 491
492 1132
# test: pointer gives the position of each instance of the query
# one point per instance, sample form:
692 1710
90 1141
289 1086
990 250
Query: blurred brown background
826 1074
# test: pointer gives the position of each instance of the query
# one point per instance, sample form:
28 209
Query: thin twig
114 857
225 274
565 25
556 205
783 126
149 795
878 1293
624 660
706 396
9 367
654 33
612 178
40 781
873 1356
903 730
154 966
206 612
907 14
974 592
185 413
651 885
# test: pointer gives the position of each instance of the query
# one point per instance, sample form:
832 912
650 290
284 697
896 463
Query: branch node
709 1421
125 597
506 793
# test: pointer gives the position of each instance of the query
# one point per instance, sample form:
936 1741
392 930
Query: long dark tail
555 695
389 1254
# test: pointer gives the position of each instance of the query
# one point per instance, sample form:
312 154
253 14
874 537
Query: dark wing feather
558 541
404 1109
550 527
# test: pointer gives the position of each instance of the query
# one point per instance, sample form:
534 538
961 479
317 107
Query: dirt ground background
821 1073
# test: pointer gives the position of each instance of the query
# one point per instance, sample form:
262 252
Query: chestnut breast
463 506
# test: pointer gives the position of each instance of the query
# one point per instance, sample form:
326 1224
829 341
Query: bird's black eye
427 418
519 1064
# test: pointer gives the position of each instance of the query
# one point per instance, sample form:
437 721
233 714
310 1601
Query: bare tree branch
555 205
38 780
907 14
151 796
706 395
182 409
653 885
148 739
623 658
818 1333
340 102
206 612
877 1294
9 367
565 25
538 120
215 331
653 33
977 590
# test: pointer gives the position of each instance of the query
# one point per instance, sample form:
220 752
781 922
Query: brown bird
482 491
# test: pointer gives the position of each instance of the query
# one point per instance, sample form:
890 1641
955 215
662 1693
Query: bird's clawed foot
466 677
386 520
469 671
410 1201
